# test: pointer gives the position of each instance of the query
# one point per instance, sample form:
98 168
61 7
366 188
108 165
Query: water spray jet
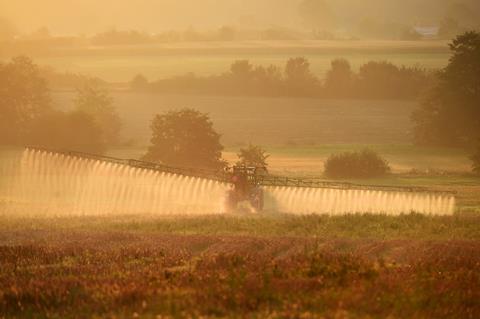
54 183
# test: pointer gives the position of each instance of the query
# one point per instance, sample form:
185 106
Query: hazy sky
87 16
90 16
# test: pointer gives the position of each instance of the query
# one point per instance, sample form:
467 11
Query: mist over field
89 16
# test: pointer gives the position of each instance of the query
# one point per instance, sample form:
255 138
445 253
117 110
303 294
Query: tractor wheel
257 200
231 201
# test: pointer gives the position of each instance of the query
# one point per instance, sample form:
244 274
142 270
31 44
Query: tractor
246 187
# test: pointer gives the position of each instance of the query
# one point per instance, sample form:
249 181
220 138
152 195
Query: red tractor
246 187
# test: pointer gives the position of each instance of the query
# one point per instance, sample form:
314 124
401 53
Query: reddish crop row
192 276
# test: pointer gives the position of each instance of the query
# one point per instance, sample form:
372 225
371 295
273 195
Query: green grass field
364 227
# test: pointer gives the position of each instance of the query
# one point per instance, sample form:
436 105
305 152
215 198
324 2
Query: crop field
122 63
410 266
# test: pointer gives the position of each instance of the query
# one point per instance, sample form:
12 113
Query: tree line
28 116
448 115
315 19
374 80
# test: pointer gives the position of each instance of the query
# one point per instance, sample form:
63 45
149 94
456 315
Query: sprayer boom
216 175
155 185
255 176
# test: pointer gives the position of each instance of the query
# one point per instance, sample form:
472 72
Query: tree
75 130
26 116
253 155
299 79
450 115
139 83
24 97
378 79
386 80
317 14
245 78
339 79
185 138
94 99
241 70
240 79
267 80
114 37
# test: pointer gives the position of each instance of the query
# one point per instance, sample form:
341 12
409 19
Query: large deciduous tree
340 78
450 115
185 138
299 79
24 97
26 115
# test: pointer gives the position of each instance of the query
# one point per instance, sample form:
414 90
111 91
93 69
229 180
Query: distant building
427 32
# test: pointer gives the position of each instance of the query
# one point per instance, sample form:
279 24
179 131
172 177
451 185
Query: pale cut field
270 121
402 158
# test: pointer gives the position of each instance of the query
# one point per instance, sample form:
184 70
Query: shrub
360 164
75 131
